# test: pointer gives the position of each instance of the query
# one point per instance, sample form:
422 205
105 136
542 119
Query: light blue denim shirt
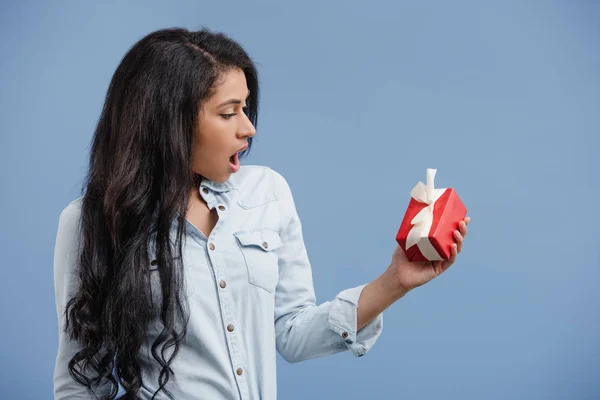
250 293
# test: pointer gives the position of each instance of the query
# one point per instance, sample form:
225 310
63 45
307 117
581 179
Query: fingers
459 241
460 234
438 267
447 263
443 265
462 226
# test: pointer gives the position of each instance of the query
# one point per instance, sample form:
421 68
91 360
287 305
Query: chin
218 178
223 178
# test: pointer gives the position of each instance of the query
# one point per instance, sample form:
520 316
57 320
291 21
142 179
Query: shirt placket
219 273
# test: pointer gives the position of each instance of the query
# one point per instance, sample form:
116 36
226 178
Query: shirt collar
216 186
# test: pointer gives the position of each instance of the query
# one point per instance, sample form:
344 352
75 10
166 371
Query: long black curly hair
138 182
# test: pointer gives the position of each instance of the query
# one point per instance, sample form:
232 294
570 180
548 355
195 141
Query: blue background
503 98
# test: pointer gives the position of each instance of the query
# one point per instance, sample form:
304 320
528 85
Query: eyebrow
232 101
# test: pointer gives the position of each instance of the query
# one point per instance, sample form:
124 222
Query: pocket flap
266 239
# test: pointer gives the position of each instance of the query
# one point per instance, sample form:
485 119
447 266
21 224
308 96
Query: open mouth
234 161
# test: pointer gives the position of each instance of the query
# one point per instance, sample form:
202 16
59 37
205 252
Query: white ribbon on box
419 233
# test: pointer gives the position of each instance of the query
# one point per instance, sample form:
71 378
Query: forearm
376 297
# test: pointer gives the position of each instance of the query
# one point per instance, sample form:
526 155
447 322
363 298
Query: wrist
375 298
389 283
392 283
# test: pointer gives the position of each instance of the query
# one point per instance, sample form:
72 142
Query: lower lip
235 165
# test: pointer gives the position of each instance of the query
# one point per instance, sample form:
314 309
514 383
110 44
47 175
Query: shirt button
211 246
265 245
222 284
239 371
153 262
345 335
230 327
205 190
222 208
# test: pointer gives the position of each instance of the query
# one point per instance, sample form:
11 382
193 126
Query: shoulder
67 244
72 211
70 216
258 184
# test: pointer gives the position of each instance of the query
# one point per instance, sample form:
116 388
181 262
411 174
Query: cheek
196 159
206 151
213 140
199 152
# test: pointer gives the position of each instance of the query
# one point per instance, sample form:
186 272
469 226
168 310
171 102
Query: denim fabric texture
250 292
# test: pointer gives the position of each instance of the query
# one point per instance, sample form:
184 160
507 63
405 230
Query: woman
179 273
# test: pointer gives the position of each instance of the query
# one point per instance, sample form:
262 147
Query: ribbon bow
419 233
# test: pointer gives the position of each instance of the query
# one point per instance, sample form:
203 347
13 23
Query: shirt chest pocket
258 248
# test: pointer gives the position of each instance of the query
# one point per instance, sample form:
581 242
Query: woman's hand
407 275
401 277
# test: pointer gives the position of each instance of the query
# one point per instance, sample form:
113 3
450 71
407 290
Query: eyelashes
228 116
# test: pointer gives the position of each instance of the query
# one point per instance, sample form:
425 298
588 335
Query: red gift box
430 220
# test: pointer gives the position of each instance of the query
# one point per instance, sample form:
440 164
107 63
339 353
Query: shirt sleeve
303 329
65 279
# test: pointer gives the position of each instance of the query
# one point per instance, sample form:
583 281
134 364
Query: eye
227 116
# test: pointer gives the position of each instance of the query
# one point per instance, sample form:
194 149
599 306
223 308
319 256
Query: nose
247 129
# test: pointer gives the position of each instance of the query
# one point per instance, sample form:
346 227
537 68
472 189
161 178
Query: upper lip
242 149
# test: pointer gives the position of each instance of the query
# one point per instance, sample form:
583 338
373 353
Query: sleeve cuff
343 320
